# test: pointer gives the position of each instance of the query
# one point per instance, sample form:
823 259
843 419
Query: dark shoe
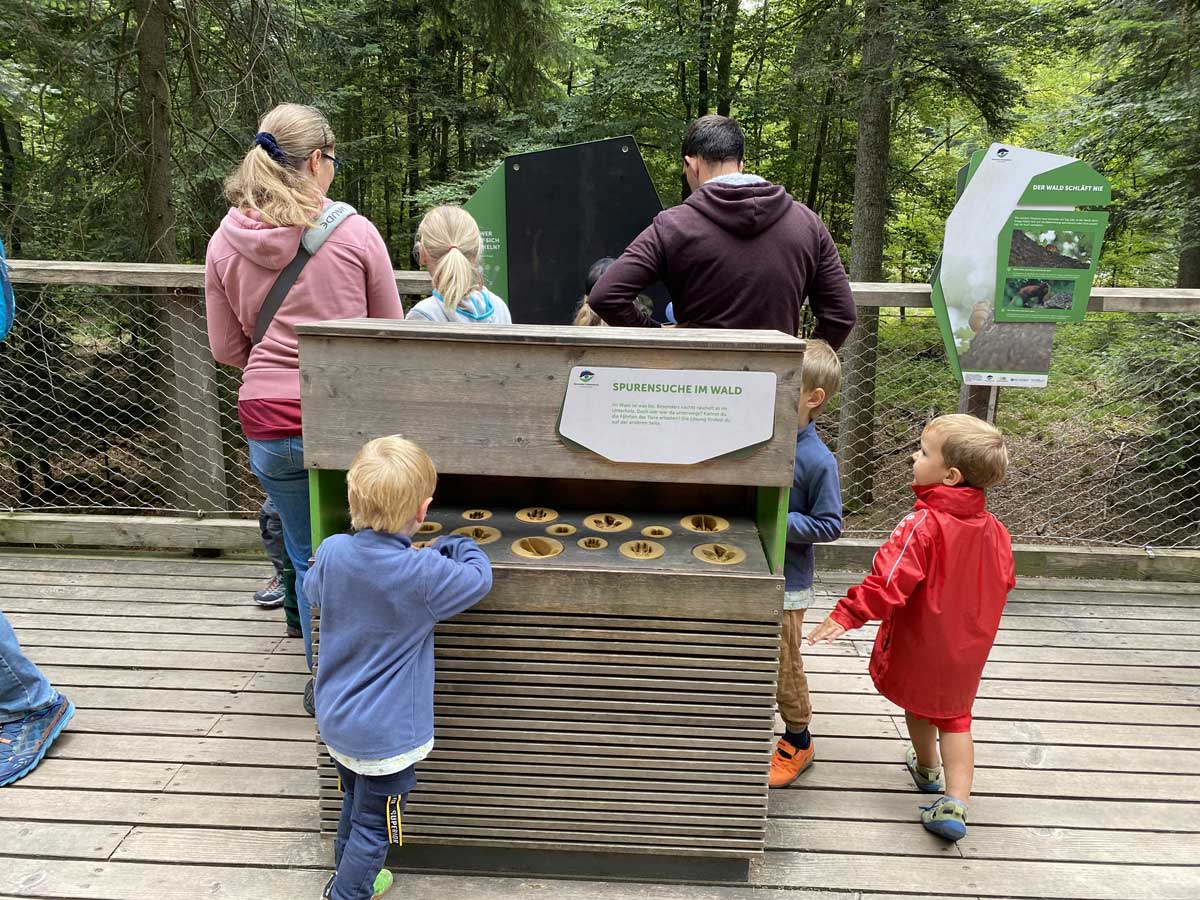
310 706
294 632
270 597
24 742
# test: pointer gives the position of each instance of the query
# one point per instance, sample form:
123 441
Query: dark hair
715 139
599 267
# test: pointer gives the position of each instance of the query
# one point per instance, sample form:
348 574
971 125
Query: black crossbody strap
310 243
279 290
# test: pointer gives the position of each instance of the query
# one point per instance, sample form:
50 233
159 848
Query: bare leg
958 757
924 737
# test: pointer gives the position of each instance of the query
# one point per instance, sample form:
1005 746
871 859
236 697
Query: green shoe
945 817
383 882
927 780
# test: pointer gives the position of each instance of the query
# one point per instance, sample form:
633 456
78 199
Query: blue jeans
279 467
23 689
361 847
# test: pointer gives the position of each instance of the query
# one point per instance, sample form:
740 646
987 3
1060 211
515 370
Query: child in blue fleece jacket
379 600
814 517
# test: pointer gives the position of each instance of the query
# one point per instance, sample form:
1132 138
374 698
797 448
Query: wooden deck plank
67 675
220 847
58 772
979 877
141 640
153 748
245 780
986 842
1117 785
200 581
50 840
157 564
247 611
266 626
32 878
166 659
1033 710
117 807
1033 812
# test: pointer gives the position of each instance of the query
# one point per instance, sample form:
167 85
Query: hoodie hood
741 209
269 246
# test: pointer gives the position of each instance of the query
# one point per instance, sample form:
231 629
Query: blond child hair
821 369
452 245
388 481
973 446
271 180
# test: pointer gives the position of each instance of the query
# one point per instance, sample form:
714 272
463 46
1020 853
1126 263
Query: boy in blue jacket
814 516
379 600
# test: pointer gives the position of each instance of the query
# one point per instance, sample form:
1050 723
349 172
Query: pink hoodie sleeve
383 300
226 338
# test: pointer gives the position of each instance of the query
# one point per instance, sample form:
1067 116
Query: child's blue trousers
370 822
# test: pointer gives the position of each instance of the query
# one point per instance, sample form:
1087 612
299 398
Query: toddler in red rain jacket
938 587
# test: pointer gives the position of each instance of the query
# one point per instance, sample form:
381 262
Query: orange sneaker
787 763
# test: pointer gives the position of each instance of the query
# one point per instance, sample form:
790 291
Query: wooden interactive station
609 706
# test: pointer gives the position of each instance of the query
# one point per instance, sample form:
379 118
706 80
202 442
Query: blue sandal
927 780
945 817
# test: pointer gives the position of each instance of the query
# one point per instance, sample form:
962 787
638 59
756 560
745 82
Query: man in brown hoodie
738 253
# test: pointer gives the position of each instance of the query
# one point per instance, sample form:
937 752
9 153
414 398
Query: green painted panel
489 208
771 514
327 506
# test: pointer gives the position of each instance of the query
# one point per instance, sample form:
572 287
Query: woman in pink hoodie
277 191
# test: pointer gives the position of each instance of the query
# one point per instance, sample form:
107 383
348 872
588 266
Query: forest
119 120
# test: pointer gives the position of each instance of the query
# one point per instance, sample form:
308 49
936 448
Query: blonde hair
821 369
388 480
973 447
585 315
277 187
452 244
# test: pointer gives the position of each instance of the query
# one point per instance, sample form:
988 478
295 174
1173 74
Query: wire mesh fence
1107 454
111 403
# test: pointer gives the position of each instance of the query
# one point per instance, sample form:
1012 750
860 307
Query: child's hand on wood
828 631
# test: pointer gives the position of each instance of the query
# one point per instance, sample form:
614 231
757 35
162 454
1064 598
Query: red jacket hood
960 502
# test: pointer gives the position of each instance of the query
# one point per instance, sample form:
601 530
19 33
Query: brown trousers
791 690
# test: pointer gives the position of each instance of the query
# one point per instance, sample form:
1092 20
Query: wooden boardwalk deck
188 770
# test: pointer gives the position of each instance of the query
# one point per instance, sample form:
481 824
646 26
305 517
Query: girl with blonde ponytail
449 245
276 191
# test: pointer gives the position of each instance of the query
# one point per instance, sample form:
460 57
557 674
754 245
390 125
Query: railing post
979 401
201 464
856 434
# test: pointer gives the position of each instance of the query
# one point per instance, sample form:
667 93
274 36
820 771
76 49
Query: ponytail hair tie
266 140
453 247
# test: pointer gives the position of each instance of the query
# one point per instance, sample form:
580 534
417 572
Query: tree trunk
725 56
1188 274
856 450
154 111
706 15
10 149
814 178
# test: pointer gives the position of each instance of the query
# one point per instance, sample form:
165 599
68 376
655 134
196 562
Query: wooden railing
208 483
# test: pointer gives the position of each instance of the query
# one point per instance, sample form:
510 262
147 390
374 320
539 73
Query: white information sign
672 416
